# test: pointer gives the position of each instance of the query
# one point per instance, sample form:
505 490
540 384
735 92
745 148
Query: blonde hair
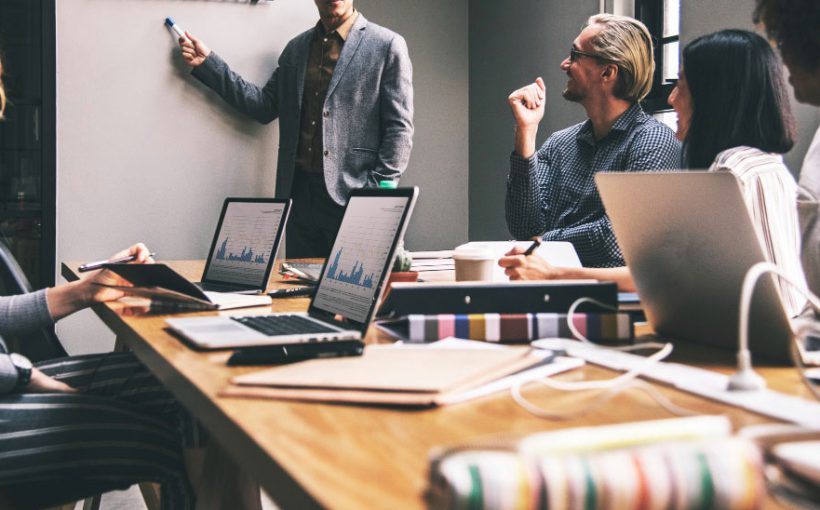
627 43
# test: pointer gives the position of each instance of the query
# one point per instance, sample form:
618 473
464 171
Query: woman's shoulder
753 166
740 160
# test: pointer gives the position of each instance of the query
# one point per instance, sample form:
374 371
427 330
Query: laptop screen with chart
245 243
360 256
351 283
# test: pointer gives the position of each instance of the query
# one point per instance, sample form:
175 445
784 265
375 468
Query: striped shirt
770 193
553 193
122 427
808 207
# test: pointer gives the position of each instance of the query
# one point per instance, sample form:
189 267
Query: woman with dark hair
733 115
735 80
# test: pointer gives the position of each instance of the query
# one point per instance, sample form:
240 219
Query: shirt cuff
522 167
209 67
37 311
24 312
553 235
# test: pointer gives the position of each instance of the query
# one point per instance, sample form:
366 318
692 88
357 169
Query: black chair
38 345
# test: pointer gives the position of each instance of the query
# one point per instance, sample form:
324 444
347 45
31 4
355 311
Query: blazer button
327 152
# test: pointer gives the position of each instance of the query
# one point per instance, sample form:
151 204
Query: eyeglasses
574 55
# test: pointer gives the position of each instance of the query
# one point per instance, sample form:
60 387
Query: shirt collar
627 118
344 28
624 123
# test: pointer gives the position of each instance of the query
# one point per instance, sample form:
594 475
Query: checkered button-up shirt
553 193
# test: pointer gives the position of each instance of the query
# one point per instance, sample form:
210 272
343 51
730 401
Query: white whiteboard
145 152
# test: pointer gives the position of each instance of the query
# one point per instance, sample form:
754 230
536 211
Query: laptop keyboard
216 287
274 325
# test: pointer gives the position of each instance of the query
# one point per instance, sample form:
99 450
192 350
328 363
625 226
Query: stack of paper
433 265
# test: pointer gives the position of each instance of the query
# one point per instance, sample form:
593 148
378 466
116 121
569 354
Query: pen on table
100 263
535 244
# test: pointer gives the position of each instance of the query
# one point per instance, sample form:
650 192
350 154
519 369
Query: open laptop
244 246
349 287
689 240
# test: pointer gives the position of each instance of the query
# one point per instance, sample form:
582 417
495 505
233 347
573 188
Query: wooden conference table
309 455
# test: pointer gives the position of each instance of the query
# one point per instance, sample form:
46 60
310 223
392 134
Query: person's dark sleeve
528 192
594 242
259 103
396 112
654 149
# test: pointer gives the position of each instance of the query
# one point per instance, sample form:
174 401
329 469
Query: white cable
584 339
612 386
628 380
574 306
749 282
602 398
631 374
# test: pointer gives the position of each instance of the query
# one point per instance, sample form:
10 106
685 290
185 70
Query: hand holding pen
101 286
536 242
137 253
520 264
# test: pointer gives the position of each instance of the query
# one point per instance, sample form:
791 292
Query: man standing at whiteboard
343 94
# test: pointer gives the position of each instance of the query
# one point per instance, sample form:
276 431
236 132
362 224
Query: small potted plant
401 267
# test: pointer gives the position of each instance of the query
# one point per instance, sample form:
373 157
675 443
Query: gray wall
436 34
700 17
512 43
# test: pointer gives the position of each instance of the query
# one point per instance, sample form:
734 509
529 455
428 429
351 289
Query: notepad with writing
406 376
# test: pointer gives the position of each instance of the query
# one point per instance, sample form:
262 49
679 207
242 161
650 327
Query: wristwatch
23 366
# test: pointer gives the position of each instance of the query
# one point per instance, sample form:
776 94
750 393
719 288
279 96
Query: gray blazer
368 111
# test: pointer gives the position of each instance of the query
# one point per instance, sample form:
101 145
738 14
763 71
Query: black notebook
167 288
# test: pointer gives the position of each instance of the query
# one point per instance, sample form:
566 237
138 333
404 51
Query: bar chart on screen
245 242
358 258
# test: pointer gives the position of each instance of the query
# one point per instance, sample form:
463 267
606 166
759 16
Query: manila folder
386 374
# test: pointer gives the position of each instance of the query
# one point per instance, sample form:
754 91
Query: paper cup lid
465 252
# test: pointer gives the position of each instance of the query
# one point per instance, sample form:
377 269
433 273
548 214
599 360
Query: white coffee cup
473 264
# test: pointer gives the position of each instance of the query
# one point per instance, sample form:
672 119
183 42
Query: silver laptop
245 244
349 287
689 240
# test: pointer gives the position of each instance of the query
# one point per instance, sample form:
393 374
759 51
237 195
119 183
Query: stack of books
434 266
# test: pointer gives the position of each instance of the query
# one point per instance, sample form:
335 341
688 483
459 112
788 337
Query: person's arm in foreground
29 311
532 267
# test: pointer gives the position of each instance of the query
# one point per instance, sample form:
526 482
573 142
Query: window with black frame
662 18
